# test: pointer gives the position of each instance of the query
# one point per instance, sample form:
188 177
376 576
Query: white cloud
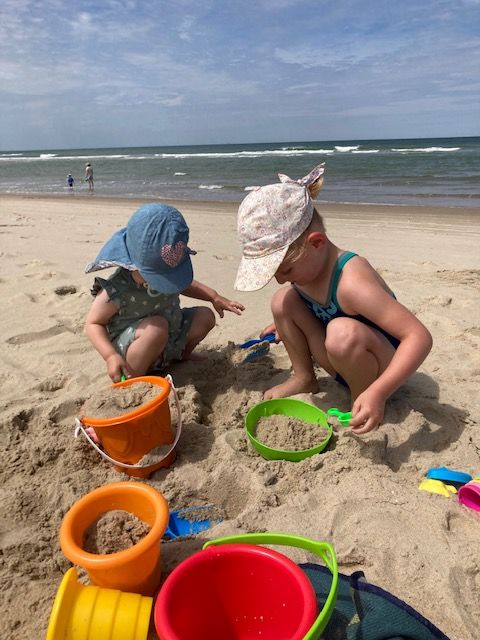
240 63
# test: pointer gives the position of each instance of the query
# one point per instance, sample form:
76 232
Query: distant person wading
89 176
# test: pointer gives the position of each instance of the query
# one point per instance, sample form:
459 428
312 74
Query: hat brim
256 272
179 278
114 253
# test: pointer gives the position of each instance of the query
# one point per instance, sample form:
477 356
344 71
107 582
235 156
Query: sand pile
361 494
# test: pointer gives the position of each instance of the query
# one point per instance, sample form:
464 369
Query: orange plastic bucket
136 569
128 437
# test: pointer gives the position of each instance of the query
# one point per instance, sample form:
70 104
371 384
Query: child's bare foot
291 387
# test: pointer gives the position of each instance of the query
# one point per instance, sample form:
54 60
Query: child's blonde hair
297 248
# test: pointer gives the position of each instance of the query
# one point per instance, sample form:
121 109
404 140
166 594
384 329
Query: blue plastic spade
189 521
448 475
259 347
270 337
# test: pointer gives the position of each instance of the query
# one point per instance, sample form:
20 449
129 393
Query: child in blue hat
135 321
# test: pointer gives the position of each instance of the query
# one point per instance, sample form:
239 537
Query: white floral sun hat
270 218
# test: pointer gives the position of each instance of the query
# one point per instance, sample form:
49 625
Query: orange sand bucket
85 612
136 569
125 439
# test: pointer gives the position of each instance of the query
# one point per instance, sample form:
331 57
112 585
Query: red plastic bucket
239 591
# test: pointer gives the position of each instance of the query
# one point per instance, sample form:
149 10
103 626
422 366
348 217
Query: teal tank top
332 309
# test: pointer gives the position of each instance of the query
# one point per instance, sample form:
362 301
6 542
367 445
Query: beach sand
361 494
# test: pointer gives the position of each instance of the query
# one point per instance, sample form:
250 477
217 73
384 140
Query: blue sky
138 72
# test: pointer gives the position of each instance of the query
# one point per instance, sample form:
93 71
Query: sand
361 494
109 403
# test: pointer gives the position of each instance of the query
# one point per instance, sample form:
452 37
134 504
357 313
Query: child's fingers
369 425
237 310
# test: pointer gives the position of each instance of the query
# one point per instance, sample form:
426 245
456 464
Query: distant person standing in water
89 176
70 181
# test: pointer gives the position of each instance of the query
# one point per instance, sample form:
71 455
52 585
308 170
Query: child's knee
154 328
203 321
341 338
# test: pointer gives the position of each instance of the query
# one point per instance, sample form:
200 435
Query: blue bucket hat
155 243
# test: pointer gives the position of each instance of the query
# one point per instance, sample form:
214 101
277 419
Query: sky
109 73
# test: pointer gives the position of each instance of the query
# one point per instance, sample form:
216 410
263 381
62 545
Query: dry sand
361 494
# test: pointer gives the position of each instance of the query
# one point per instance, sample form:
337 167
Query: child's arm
362 293
95 327
201 291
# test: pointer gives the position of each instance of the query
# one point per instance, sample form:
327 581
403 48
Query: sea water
436 171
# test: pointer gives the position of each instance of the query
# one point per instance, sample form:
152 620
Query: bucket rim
286 454
206 555
98 561
63 603
158 381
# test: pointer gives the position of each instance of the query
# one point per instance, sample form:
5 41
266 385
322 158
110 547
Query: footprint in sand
33 336
53 383
473 331
466 582
469 277
67 409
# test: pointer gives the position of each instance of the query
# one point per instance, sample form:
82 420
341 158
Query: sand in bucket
133 423
137 567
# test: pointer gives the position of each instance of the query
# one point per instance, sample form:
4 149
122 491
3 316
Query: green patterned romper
135 303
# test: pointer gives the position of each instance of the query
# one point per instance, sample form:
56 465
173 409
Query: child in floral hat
135 321
336 309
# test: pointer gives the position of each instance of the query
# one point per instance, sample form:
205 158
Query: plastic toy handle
343 417
323 550
269 337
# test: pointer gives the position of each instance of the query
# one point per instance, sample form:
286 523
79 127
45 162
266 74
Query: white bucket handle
79 428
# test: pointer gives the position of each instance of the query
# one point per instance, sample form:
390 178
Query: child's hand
270 329
116 367
222 304
367 412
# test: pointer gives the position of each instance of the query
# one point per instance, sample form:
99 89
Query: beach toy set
233 588
447 482
125 439
118 603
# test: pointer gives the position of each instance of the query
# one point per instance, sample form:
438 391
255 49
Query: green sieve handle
323 550
343 417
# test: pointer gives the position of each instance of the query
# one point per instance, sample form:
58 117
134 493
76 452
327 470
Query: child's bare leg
303 337
203 322
151 337
358 352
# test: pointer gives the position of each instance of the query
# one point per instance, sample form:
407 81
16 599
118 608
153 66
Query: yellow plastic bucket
82 612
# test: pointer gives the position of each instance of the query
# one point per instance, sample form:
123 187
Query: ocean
443 172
